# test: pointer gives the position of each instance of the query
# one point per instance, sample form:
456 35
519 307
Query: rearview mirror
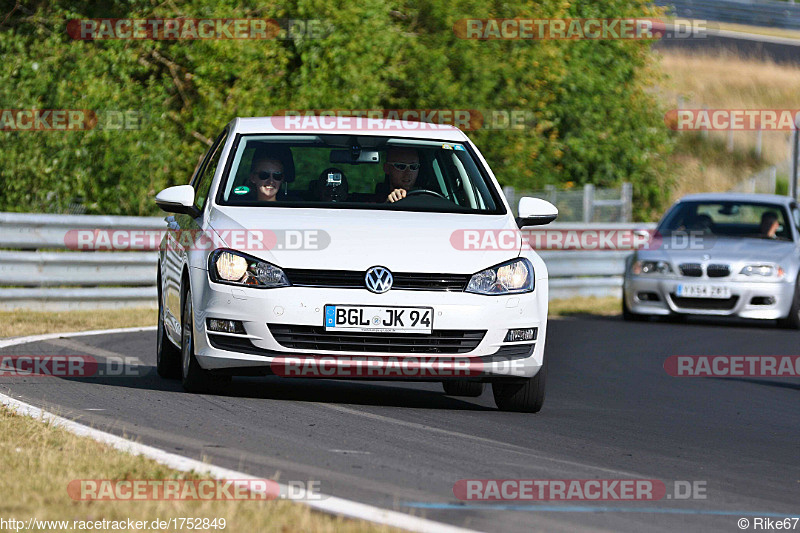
535 212
178 199
355 156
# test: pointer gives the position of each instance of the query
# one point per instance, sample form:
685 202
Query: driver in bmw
402 169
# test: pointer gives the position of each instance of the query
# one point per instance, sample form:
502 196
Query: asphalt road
779 50
611 412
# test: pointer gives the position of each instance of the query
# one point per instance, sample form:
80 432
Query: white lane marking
327 504
512 448
351 451
93 409
94 350
14 341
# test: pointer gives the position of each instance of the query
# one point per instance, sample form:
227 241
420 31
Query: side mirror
535 212
178 199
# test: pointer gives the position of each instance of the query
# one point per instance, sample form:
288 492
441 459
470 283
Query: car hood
726 250
350 239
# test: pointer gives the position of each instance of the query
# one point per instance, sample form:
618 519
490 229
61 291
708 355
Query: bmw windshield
357 172
729 219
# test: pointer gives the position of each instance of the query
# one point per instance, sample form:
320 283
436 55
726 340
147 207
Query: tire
168 356
472 389
792 320
628 315
527 397
193 377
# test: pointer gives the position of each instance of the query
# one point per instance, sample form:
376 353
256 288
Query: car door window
203 182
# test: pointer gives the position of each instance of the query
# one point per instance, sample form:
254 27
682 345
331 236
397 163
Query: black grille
316 338
354 279
715 304
691 269
718 271
515 350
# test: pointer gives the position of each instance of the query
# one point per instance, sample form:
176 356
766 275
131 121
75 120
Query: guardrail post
551 193
758 144
588 202
511 197
626 197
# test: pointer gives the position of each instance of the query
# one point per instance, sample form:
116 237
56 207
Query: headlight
766 271
511 277
651 267
235 268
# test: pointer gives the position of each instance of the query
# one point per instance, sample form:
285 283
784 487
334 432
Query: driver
769 225
402 169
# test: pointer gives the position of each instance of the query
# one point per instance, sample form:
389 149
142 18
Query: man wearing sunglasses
402 169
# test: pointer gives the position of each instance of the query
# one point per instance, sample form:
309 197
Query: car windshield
357 172
728 219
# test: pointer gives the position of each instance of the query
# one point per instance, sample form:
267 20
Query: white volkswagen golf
351 249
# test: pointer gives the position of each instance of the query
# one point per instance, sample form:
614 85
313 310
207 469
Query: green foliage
594 119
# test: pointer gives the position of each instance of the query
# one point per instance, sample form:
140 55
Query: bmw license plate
375 319
692 290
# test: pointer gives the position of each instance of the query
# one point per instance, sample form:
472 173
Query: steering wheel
424 191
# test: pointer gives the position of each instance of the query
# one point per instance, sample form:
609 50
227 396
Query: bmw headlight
763 271
651 267
508 278
235 268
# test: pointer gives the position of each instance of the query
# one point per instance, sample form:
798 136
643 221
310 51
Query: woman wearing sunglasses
268 172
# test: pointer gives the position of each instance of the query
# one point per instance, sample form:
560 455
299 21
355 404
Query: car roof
347 126
737 197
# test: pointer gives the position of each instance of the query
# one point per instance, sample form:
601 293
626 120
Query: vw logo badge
378 279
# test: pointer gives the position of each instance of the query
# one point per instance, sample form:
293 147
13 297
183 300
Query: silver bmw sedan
719 254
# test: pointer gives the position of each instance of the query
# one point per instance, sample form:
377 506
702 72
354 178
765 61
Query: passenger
271 168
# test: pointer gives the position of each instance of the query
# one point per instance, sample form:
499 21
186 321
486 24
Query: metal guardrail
35 276
585 204
751 12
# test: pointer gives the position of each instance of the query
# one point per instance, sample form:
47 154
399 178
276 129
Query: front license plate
378 319
703 291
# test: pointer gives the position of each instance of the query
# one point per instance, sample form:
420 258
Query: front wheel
194 378
526 397
168 356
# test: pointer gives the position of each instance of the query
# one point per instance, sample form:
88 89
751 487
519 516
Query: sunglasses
276 176
402 166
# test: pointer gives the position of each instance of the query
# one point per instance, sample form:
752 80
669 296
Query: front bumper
758 300
258 350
